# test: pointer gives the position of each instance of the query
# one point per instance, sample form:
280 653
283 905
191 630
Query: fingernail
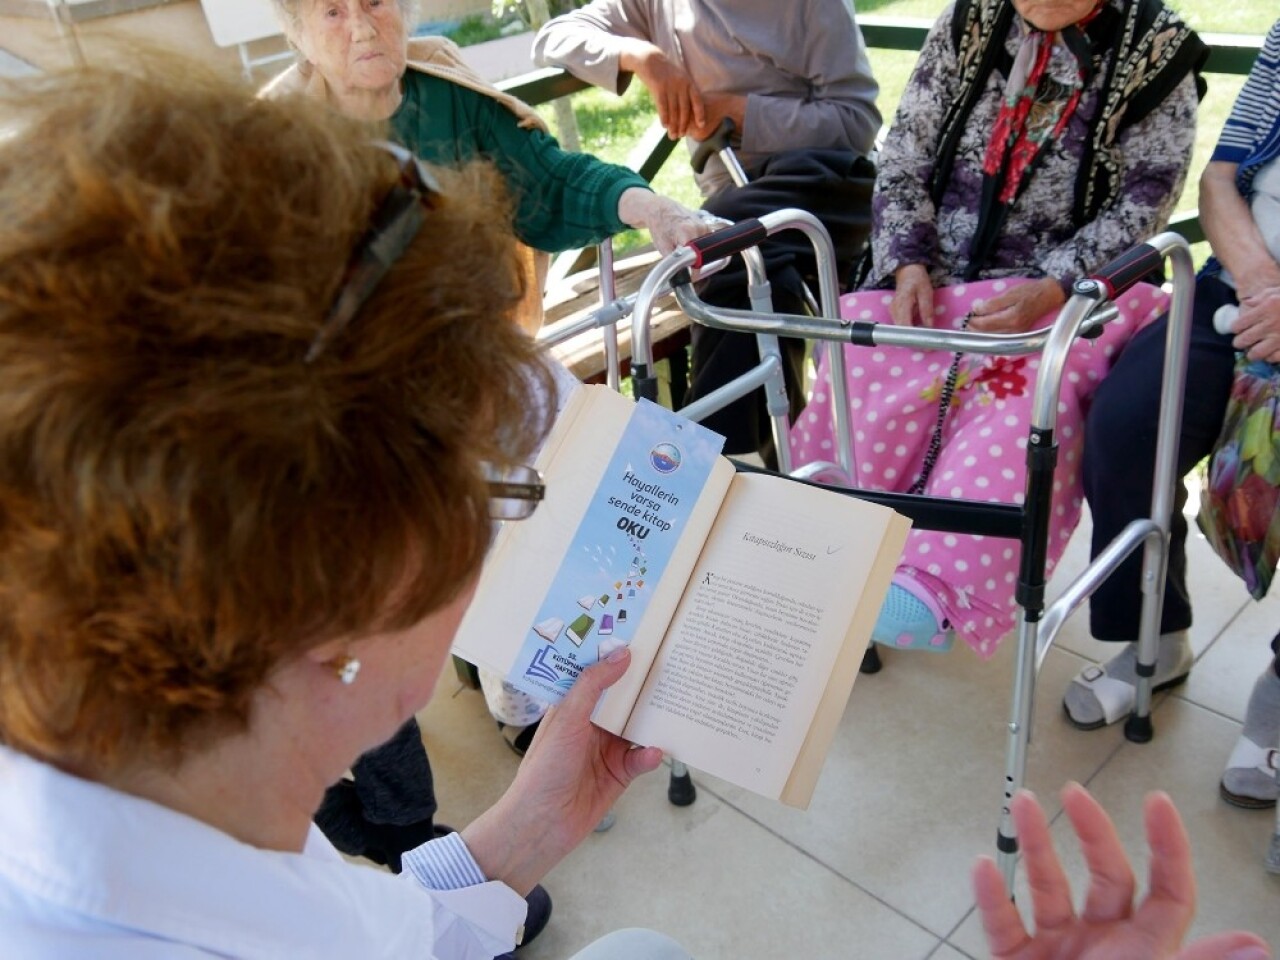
618 655
1251 952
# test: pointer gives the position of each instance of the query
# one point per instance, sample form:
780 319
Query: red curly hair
185 504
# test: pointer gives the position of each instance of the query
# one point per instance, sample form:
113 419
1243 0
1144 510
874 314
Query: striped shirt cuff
1229 153
444 864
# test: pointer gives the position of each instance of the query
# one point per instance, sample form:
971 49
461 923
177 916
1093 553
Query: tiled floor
11 66
878 866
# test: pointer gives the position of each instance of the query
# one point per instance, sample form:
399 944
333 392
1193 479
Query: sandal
1249 781
1102 695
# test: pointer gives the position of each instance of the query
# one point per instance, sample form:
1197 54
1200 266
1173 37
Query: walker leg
1138 727
1018 739
681 791
1155 554
1272 861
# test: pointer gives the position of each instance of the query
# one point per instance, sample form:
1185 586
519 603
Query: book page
631 491
763 625
813 753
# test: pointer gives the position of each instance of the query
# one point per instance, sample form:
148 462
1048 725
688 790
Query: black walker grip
644 386
1127 269
727 242
713 144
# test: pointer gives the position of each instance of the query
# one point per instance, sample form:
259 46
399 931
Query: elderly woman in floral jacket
1035 141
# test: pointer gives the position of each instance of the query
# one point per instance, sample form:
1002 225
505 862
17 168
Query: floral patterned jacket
1039 238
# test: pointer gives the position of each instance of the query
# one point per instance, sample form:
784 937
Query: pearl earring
347 668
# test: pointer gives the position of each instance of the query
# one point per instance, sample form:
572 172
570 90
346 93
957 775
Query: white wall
502 58
450 9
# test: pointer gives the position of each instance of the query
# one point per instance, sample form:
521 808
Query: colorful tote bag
1240 499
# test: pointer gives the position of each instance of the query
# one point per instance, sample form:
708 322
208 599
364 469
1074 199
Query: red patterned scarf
1032 113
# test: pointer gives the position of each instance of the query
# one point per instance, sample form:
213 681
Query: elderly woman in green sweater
357 56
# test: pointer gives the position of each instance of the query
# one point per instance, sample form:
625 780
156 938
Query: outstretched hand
1110 926
572 774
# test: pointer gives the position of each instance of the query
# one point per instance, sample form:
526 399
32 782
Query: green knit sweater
562 200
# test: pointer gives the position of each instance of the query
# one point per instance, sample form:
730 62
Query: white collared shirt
87 871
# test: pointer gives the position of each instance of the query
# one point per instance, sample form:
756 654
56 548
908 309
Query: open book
747 599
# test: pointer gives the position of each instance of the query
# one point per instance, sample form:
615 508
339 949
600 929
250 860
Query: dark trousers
1120 451
389 804
833 185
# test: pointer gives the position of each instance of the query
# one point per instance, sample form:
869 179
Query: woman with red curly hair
258 377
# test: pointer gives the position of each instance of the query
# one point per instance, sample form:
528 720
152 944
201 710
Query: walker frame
1090 306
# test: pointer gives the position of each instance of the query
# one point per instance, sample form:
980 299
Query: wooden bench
579 294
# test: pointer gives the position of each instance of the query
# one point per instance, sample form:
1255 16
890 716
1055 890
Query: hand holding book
747 600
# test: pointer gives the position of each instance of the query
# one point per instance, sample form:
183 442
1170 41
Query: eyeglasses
514 492
391 229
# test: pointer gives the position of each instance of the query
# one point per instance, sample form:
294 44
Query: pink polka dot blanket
893 398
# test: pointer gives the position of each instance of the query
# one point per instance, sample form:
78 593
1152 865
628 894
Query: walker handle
727 242
1125 270
713 144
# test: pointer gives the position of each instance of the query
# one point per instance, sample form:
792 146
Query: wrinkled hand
670 224
912 304
718 106
1109 927
677 100
1019 308
572 774
1257 328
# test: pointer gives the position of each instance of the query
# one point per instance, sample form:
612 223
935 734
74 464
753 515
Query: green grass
479 27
